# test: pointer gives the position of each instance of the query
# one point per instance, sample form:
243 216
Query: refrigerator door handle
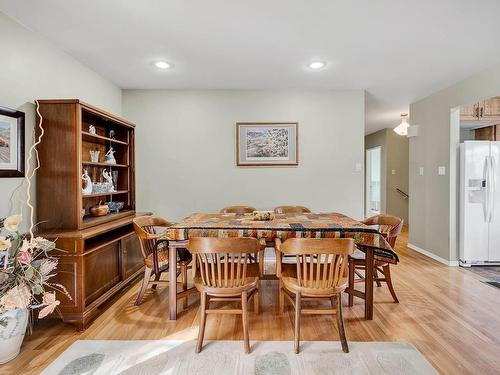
492 189
486 189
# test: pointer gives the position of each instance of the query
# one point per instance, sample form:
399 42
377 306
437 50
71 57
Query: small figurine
112 134
109 158
109 180
88 183
92 129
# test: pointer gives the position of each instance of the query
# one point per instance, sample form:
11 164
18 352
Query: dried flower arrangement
25 263
25 270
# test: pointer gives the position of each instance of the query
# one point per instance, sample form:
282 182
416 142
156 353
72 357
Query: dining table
282 226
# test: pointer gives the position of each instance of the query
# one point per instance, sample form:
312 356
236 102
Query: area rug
496 284
227 357
490 273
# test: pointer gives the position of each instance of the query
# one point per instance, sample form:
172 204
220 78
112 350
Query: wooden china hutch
100 254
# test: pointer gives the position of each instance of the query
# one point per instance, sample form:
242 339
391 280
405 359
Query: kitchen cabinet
484 110
492 108
467 112
487 133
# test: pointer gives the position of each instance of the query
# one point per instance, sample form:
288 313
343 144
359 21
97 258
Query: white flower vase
12 335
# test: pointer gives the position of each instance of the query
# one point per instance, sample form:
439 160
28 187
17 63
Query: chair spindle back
237 210
322 263
388 225
291 209
223 262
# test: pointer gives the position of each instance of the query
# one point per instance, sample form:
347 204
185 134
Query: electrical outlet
421 171
393 171
358 167
441 171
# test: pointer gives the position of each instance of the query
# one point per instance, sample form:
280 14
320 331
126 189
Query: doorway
373 181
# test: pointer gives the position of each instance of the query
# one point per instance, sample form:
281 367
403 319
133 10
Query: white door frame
368 156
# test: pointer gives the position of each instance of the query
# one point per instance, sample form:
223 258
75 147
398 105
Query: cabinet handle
477 112
482 111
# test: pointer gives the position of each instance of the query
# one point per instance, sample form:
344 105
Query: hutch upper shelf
73 131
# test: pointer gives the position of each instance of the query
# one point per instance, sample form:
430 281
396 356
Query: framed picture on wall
267 143
11 143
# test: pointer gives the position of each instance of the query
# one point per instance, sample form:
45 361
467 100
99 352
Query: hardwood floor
446 312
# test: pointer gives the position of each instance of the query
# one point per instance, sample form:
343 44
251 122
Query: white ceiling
398 50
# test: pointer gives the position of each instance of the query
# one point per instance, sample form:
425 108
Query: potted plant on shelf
25 270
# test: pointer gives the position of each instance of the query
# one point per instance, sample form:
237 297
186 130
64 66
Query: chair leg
351 283
256 301
261 263
144 286
244 318
388 280
184 284
184 277
157 278
203 319
379 284
281 298
340 325
297 323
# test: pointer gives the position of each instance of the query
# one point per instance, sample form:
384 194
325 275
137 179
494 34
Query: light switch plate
393 171
358 167
441 171
421 171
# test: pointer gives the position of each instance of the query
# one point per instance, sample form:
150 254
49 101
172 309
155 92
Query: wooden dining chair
390 227
225 274
291 209
241 210
237 210
155 253
319 272
287 210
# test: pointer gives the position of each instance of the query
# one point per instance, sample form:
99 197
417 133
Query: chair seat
290 282
359 258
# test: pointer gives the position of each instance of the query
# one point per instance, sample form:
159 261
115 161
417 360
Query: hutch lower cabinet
94 264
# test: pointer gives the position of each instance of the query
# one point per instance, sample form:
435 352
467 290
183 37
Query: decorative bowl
99 210
263 215
115 206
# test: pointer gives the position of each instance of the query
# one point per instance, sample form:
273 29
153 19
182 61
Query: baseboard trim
450 263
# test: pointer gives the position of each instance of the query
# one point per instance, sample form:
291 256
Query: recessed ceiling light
316 65
163 65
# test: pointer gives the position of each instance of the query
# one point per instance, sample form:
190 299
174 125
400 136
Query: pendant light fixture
402 129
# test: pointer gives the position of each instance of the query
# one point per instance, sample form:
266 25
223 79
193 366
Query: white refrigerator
479 203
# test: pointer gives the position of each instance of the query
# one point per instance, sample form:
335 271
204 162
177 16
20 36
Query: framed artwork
11 143
267 143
